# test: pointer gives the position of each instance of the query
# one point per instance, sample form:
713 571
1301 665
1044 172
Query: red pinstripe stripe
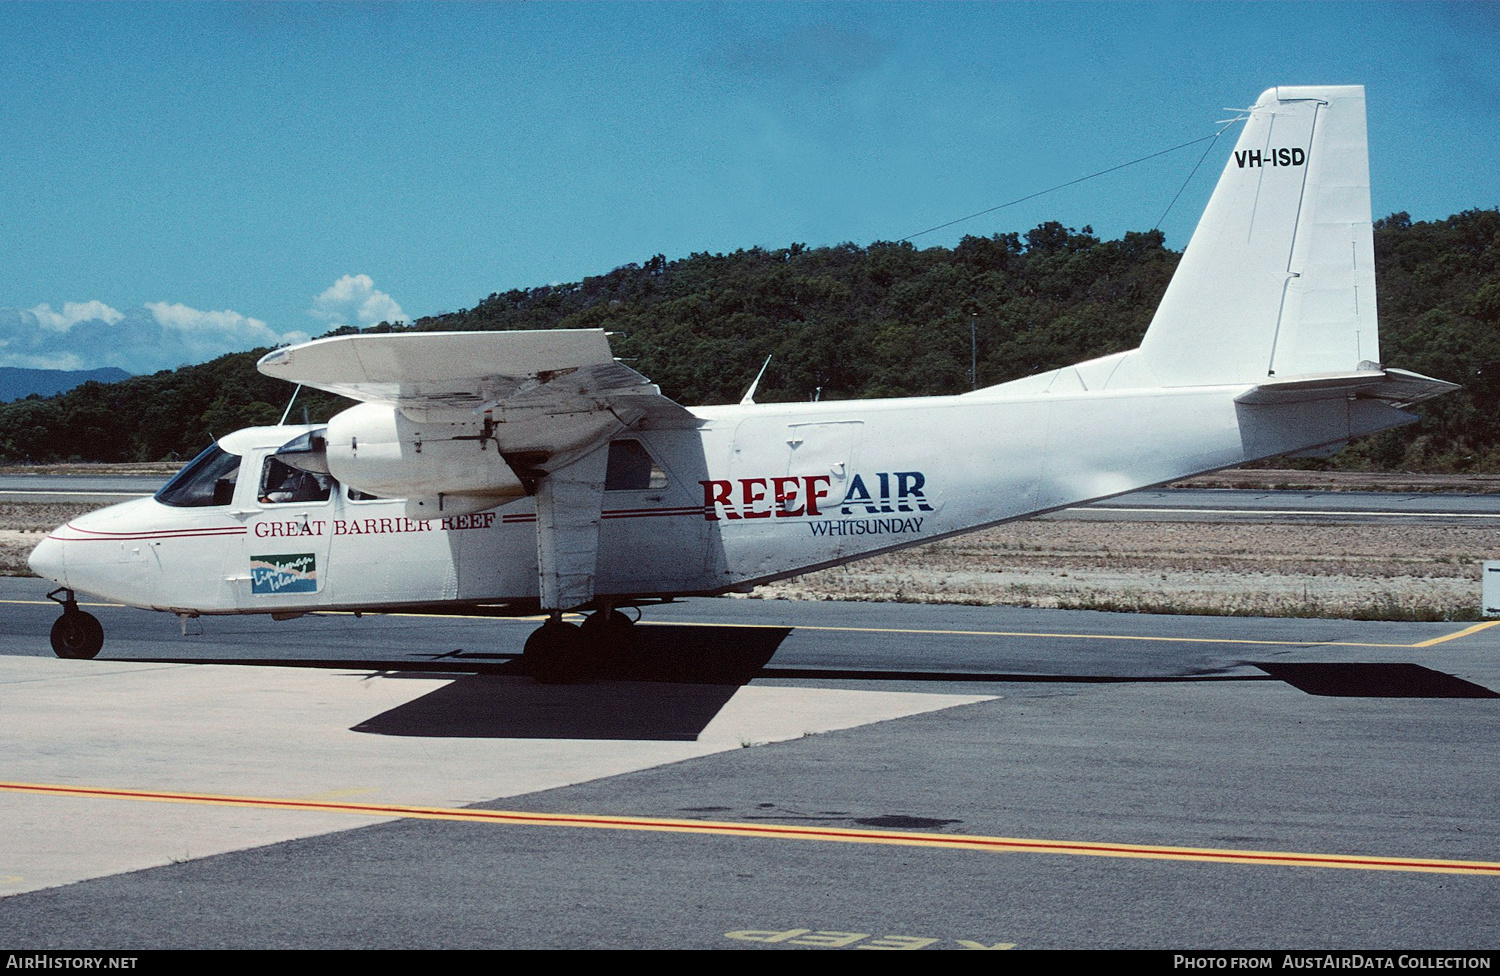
94 535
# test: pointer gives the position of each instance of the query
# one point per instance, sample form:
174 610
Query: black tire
609 630
556 654
77 635
609 642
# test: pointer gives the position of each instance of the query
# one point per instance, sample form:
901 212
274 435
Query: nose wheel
76 634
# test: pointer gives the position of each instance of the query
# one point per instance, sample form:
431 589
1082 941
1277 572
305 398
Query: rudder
1278 280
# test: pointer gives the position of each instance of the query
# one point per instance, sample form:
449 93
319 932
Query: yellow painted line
927 631
529 619
949 633
1462 633
343 794
966 633
1021 845
1033 633
1431 642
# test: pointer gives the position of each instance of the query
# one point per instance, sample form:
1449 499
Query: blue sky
181 180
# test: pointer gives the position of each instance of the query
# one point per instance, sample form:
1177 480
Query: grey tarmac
1320 737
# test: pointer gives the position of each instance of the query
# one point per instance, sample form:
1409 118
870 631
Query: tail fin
1279 278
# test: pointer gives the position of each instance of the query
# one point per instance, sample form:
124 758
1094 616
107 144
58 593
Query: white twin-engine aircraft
517 472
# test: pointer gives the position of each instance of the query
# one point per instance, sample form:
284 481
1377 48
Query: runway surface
755 774
82 488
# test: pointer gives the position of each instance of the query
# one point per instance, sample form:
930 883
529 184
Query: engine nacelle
378 449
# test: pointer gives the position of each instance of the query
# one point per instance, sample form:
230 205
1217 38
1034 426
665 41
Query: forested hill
18 382
884 320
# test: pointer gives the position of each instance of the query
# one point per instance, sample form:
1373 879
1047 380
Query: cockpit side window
207 480
632 468
281 483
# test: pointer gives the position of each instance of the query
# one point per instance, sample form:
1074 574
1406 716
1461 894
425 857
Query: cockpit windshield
207 480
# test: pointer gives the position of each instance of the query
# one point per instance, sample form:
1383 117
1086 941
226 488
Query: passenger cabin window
207 480
355 495
632 468
281 484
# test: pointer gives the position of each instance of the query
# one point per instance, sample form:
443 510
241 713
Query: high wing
512 374
433 404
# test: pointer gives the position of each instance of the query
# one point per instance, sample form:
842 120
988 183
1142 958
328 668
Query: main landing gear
76 634
559 653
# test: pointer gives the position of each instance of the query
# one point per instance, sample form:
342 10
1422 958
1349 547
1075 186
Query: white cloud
75 312
58 360
203 335
159 335
164 335
354 300
190 320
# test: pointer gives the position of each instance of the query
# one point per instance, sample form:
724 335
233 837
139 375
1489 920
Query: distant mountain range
17 383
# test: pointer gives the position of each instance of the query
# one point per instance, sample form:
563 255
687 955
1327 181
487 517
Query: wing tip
275 358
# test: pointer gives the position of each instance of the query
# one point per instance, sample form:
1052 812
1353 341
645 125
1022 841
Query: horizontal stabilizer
1397 387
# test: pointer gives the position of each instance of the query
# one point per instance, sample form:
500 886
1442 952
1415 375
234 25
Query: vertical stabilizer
1279 278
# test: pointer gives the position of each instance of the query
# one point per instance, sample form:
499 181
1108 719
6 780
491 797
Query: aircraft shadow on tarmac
1374 680
490 707
667 686
673 680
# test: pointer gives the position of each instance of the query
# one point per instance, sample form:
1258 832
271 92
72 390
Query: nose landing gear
76 634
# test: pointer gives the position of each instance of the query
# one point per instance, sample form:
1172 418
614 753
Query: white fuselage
753 493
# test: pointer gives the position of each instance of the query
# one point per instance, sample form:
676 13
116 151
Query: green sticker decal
284 573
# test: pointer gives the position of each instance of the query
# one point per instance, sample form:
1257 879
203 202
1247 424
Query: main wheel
77 634
609 639
557 654
609 629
